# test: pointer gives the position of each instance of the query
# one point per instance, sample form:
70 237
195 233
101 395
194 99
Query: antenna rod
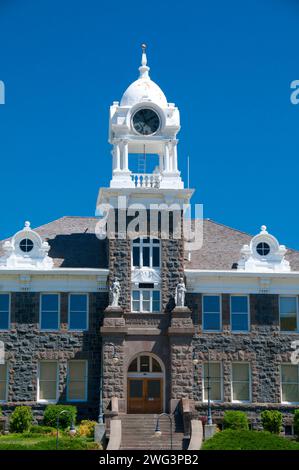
188 172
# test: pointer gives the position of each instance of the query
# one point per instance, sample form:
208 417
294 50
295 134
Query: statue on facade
180 292
115 293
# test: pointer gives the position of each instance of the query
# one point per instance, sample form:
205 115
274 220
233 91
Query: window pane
155 366
288 313
48 371
146 257
49 321
4 320
146 306
156 306
156 257
136 295
50 302
77 370
211 321
239 322
156 295
240 372
211 303
212 379
213 370
146 295
144 364
136 256
47 391
77 380
133 367
241 391
78 303
289 373
4 302
136 388
136 306
239 304
78 321
288 305
76 391
153 389
2 372
290 393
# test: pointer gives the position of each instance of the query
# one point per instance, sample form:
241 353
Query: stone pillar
116 158
175 157
125 156
166 157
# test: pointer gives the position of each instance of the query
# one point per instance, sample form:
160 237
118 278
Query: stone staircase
138 432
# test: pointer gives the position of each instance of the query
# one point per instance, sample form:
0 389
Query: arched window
144 363
146 252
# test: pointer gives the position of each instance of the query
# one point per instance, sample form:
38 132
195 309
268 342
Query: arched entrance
145 384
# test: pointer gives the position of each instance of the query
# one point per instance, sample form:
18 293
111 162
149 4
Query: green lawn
36 441
248 440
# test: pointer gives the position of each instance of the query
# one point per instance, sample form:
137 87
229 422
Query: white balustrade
145 180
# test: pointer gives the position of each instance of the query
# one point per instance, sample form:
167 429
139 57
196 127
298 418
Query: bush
248 440
37 429
272 421
65 419
86 428
296 423
21 419
235 420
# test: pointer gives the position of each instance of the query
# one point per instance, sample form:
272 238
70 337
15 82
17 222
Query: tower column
125 156
116 157
175 156
167 158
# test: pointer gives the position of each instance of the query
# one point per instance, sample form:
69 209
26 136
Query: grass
248 440
37 441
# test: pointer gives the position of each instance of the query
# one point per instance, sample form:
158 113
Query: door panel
145 395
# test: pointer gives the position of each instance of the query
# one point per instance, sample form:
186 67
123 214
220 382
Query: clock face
146 121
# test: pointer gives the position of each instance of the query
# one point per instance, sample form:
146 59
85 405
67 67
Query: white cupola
263 254
142 131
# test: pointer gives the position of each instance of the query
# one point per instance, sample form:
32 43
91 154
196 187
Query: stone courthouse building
93 321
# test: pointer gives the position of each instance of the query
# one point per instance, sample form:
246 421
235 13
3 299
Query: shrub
272 421
86 428
65 420
296 423
38 429
21 419
235 420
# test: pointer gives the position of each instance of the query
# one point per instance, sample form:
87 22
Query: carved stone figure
180 293
115 293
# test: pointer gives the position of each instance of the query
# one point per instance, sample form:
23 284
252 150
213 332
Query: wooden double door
145 395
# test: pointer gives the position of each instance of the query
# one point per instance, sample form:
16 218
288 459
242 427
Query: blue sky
227 65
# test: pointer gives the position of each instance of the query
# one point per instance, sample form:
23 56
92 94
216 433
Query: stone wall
25 345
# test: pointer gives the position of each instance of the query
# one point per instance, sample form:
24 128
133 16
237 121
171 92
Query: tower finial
143 69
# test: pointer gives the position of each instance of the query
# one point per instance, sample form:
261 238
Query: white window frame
85 384
204 398
40 311
220 312
240 313
140 373
149 244
287 364
6 383
289 332
141 300
249 382
69 311
9 311
40 400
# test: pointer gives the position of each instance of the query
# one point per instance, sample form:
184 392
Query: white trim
38 382
6 382
9 311
240 313
85 381
297 314
205 363
220 312
141 300
141 244
249 382
40 311
69 312
287 364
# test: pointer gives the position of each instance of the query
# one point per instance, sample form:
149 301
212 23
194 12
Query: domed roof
144 89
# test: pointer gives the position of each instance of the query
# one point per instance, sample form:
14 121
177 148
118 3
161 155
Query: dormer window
263 249
26 245
146 252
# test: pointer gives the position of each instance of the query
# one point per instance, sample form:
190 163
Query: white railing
144 180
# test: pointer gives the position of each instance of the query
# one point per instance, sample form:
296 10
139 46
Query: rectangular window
212 381
290 383
77 381
146 300
211 312
240 381
48 381
239 313
78 312
49 312
288 309
3 382
4 311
